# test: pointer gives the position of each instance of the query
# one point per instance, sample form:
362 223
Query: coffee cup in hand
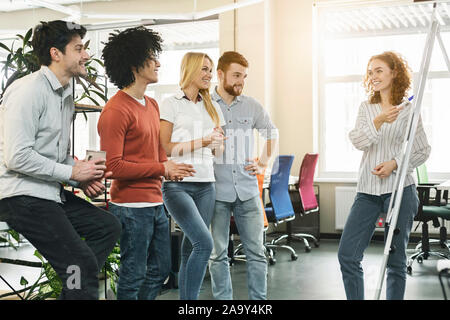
94 154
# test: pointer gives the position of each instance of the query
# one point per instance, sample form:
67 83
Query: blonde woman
190 133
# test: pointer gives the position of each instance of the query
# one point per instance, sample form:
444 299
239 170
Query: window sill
336 180
354 180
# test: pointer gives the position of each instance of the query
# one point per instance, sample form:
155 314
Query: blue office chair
280 209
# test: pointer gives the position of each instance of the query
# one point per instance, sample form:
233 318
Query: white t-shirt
191 121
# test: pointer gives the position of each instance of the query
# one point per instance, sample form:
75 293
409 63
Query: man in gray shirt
35 162
236 183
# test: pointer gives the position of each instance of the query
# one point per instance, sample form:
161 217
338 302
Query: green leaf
3 46
98 61
27 37
23 281
93 83
14 234
100 94
80 82
39 256
93 100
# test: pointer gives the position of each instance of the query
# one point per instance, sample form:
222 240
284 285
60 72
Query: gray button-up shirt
35 120
241 117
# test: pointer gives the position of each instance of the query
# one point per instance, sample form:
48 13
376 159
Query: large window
178 39
347 38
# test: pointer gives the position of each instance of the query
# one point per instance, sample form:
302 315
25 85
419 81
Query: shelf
87 108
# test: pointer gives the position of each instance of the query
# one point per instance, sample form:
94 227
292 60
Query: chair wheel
419 259
294 257
308 249
409 270
316 244
272 261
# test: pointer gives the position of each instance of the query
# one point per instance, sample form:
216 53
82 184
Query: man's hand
95 188
384 169
255 167
177 171
84 171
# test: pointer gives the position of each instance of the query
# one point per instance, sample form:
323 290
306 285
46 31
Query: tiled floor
314 276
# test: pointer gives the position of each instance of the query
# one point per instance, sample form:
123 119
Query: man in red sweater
129 133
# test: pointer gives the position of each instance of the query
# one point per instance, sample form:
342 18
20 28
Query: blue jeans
249 220
191 204
358 231
144 251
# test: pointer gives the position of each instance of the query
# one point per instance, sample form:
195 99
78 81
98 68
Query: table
443 186
293 180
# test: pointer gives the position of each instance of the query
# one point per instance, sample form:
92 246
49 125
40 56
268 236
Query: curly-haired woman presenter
379 132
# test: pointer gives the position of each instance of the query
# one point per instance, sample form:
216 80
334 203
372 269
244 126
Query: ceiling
15 5
384 19
198 9
17 16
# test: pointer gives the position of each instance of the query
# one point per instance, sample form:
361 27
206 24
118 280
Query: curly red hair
401 82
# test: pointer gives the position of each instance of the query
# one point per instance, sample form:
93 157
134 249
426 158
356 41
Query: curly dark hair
401 82
128 50
54 34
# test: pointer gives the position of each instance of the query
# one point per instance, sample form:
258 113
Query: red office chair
308 198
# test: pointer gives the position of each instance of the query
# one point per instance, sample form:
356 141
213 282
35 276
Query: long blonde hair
190 67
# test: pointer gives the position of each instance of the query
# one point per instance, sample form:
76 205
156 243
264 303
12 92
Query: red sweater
129 133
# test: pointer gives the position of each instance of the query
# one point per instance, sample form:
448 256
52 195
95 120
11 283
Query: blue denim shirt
241 117
35 120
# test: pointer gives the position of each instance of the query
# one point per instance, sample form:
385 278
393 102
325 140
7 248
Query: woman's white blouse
384 145
191 121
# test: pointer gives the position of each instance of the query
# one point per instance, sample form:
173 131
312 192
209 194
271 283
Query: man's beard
232 90
78 71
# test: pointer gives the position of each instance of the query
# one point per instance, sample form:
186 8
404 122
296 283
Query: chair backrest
422 174
305 182
279 187
260 178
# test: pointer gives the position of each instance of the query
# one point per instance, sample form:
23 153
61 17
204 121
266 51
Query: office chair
430 209
308 198
437 199
280 209
235 254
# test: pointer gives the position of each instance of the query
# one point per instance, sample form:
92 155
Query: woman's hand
215 139
177 171
388 115
384 169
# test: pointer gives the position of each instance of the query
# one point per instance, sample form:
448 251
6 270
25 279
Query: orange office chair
236 253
